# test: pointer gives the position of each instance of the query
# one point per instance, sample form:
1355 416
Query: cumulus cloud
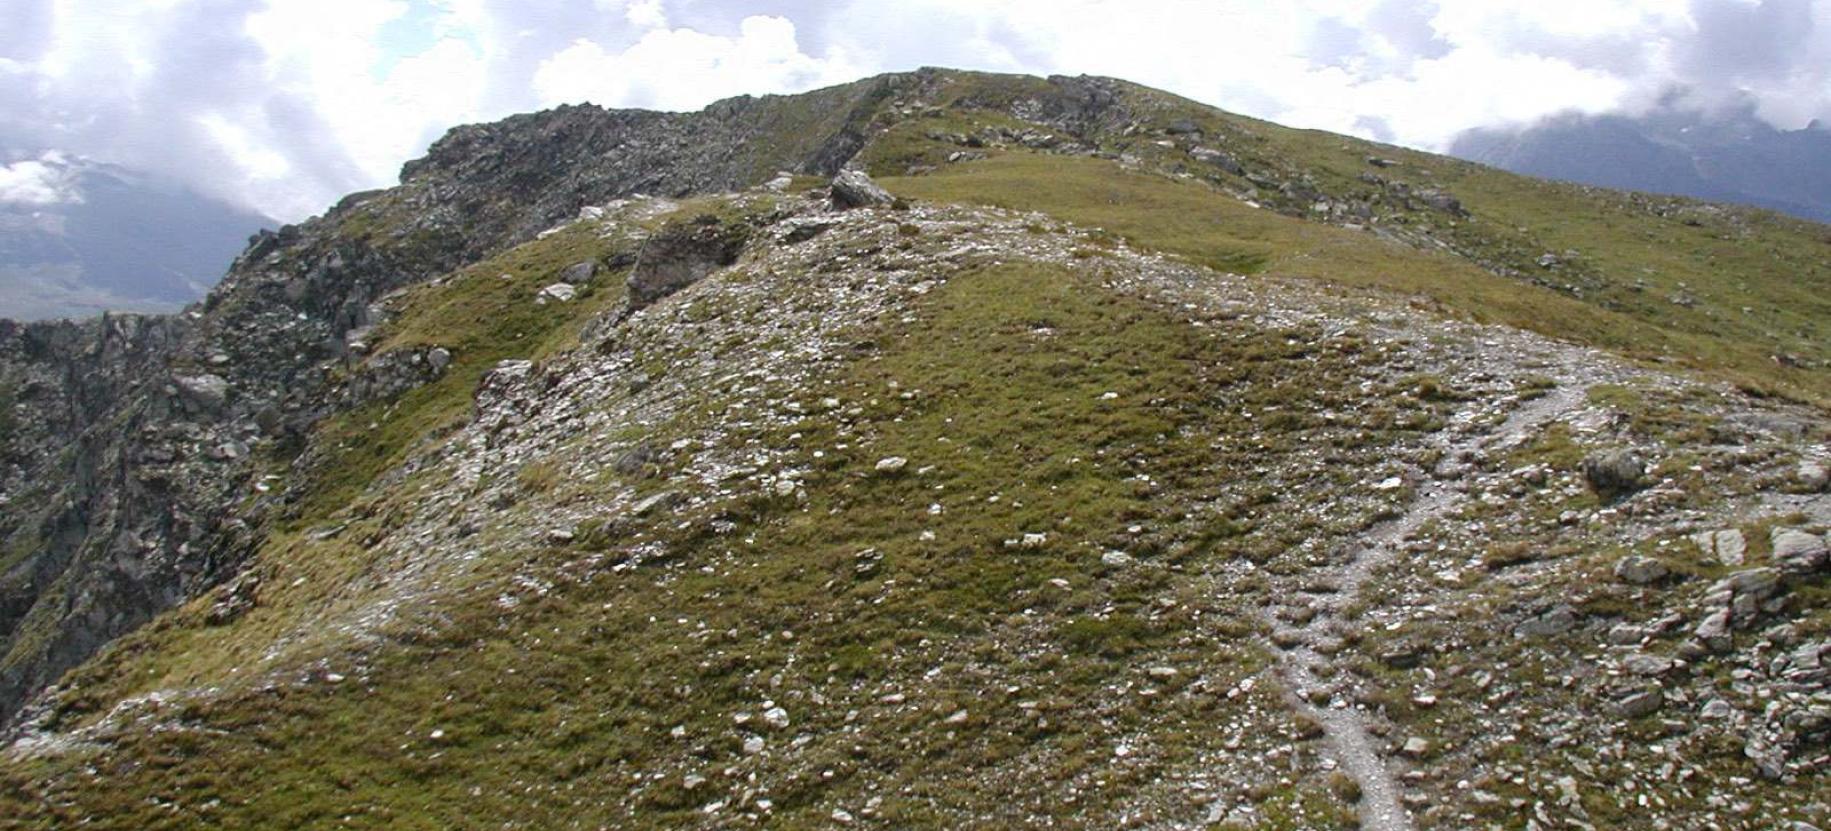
38 182
287 104
678 69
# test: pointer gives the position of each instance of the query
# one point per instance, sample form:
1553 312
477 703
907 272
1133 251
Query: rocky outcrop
128 484
682 254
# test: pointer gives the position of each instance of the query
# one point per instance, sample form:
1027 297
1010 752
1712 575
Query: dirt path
1305 620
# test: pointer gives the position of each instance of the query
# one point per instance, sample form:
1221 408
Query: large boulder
202 393
682 254
579 274
1799 552
1614 472
853 189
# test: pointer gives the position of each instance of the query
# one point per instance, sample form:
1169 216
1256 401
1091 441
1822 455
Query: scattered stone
1641 571
754 745
1626 634
438 358
1813 476
1728 545
854 189
1415 747
781 183
1225 162
1116 559
894 464
1640 704
659 502
1713 631
776 717
1757 584
1557 621
1648 665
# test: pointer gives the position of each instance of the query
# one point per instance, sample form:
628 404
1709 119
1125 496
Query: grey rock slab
1557 621
1728 546
558 292
1614 472
1641 571
1643 703
207 393
854 189
1798 551
579 274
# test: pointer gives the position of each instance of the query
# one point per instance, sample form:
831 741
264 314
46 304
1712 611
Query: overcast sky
284 105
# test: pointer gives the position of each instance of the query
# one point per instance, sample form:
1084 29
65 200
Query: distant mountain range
1712 156
79 237
1733 157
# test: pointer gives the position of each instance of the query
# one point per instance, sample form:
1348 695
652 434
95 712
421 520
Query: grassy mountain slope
1008 508
1734 290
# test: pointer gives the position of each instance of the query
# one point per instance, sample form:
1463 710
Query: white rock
1116 558
893 464
754 745
558 292
776 717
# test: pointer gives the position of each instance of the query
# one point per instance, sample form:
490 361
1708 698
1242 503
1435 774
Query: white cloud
677 69
38 182
646 14
287 104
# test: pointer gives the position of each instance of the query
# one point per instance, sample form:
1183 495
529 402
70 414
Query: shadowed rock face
683 254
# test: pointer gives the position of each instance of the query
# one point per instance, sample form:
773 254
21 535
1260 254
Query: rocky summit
942 450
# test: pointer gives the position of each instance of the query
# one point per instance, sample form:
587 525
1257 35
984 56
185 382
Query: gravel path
1306 670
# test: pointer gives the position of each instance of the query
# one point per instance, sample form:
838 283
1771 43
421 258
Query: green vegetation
1213 228
484 314
841 600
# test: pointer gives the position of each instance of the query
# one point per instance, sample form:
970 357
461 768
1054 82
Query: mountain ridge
1733 157
1052 399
